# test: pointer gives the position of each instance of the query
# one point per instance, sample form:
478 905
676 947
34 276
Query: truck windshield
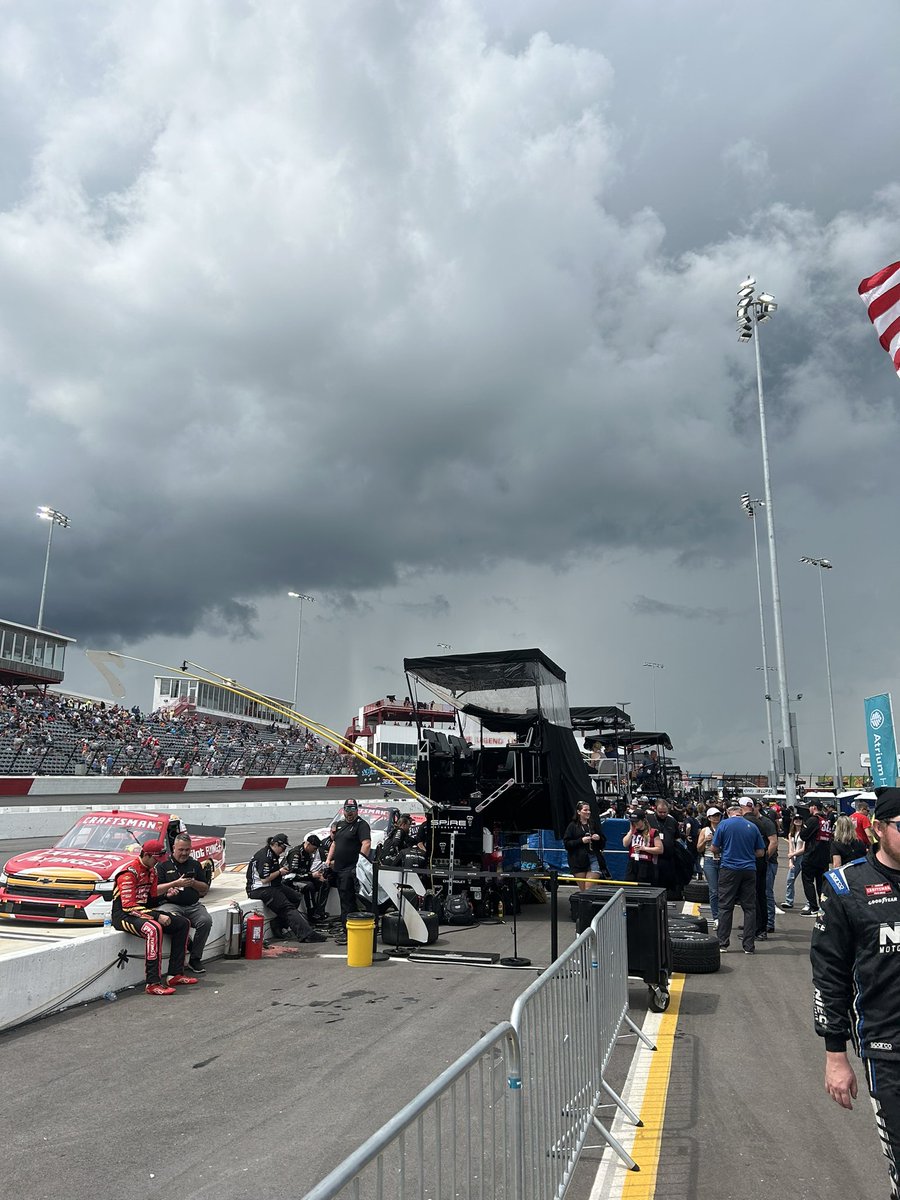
115 835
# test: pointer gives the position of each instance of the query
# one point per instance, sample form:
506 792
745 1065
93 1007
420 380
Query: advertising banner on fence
880 736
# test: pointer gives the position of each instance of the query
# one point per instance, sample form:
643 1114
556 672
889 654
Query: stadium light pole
824 565
654 667
55 518
752 310
749 506
300 596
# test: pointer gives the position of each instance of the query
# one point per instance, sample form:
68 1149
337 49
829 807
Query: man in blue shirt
738 845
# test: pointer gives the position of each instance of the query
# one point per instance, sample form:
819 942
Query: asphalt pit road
205 1063
354 994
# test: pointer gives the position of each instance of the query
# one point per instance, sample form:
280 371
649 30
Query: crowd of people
58 734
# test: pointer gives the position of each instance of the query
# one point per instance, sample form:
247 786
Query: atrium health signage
880 736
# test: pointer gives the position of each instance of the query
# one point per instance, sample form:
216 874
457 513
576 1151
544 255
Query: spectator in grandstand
795 858
739 844
709 860
352 837
265 882
584 841
182 883
845 845
136 910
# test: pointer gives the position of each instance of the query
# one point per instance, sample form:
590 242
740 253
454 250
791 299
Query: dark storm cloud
646 606
358 299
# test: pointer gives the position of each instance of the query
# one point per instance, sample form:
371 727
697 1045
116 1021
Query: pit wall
44 978
115 785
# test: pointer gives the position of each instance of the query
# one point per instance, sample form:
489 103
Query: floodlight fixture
751 310
301 596
824 564
46 513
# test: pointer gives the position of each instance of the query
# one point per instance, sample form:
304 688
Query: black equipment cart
647 918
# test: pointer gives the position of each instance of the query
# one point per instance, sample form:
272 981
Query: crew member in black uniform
265 882
352 838
817 832
304 875
855 955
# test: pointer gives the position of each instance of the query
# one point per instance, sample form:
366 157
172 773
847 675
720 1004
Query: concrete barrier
123 785
47 976
53 820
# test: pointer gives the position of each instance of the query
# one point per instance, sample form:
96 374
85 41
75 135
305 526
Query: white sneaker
716 923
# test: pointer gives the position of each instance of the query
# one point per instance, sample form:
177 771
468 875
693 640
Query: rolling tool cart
647 918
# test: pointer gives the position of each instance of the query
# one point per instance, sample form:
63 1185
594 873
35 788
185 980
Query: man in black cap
265 882
855 954
352 838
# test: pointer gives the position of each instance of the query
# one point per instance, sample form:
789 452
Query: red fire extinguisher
253 937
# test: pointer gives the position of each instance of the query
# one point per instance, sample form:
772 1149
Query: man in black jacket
265 882
855 954
817 832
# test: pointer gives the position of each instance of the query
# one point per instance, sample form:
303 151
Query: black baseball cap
281 838
351 806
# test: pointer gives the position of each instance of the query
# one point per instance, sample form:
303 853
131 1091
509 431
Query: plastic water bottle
107 922
110 996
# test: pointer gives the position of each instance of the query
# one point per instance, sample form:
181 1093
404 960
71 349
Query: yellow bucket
360 936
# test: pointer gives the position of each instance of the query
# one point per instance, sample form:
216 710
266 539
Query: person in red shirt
135 910
860 819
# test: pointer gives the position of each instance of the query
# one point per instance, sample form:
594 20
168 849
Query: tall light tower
750 506
654 667
752 310
824 565
55 518
299 597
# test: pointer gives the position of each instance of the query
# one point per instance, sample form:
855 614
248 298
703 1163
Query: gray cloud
646 606
373 300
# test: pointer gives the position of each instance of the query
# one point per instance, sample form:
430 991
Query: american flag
881 293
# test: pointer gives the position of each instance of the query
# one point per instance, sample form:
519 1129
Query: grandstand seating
62 735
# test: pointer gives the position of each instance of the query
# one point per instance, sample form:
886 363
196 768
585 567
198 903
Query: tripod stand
515 961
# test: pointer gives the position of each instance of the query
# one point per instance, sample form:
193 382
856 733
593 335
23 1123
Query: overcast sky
427 310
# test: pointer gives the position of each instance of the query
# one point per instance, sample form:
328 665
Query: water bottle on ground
110 996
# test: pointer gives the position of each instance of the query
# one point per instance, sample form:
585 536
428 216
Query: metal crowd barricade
461 1136
509 1119
568 1021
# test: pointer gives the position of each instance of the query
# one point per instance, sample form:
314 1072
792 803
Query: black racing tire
697 924
695 953
697 891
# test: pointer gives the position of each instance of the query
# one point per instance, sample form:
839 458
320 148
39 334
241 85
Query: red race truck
72 883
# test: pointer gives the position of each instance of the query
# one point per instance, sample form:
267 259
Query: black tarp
491 671
600 716
514 691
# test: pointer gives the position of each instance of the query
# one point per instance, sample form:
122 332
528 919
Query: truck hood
76 862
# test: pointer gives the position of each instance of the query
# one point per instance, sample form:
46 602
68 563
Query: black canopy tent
522 692
605 718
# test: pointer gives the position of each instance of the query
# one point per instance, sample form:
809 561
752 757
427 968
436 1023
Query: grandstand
53 733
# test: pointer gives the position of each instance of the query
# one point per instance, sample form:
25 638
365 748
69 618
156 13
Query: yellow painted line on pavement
645 1150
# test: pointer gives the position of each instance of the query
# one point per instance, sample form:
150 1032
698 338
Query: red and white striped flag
881 293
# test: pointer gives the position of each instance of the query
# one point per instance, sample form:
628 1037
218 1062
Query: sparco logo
881 1045
876 718
889 938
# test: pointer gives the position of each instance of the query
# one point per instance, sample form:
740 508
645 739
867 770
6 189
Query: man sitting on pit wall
306 875
265 882
182 882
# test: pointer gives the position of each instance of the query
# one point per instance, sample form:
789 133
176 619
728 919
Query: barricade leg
647 1042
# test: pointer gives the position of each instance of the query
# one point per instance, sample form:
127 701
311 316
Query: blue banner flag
882 745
